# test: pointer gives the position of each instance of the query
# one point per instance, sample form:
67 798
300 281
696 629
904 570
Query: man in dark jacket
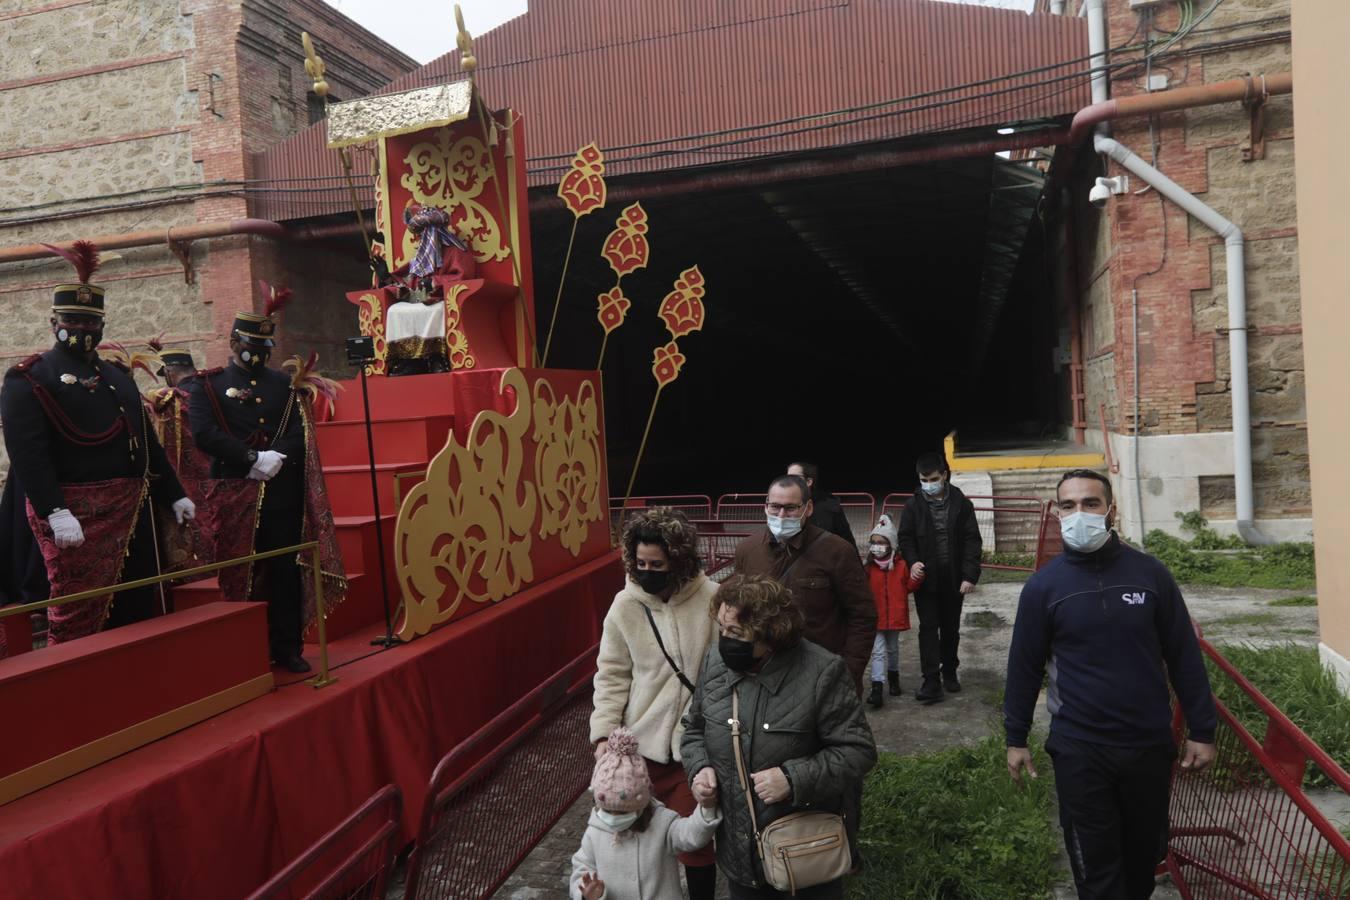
938 529
1114 625
822 571
826 512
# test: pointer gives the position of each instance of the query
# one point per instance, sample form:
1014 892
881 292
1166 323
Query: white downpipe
1101 85
1056 7
1237 320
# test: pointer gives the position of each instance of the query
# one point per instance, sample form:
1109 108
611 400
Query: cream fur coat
634 685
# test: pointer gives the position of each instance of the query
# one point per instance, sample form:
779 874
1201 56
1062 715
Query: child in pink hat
631 832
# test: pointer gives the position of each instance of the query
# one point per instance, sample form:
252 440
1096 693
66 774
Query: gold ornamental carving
453 176
465 531
456 342
567 463
370 319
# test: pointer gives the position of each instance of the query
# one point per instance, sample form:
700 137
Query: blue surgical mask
783 528
617 821
1084 531
933 488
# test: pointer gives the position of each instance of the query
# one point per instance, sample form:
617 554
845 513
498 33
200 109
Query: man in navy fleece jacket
1111 624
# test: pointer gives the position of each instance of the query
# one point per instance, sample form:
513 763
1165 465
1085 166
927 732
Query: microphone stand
388 639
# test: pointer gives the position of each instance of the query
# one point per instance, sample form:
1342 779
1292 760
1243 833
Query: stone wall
1178 268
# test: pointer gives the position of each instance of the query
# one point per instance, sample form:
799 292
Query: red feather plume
308 382
275 297
82 255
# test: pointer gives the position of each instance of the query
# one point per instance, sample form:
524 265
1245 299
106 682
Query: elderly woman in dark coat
805 738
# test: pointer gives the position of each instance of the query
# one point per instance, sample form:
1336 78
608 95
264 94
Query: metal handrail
323 679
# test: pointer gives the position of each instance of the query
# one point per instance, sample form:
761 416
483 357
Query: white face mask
1084 531
932 488
617 821
782 527
880 551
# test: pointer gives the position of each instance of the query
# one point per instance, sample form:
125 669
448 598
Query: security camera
1105 188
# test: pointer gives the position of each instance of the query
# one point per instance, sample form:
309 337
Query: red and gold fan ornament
614 308
583 187
667 362
626 248
682 309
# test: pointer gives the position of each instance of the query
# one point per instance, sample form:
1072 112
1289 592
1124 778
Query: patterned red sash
106 511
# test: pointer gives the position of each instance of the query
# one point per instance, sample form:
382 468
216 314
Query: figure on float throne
415 325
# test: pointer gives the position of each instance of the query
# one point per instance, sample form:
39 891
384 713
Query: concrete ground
903 726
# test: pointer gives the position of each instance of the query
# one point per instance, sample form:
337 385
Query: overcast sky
425 29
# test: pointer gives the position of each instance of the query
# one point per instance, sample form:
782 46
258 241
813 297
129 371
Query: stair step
415 439
362 608
409 395
349 486
356 536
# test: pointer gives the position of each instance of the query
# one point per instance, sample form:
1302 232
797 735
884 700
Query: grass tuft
1301 600
1294 679
952 825
1259 618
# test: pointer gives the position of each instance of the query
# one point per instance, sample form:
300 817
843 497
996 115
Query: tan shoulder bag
800 850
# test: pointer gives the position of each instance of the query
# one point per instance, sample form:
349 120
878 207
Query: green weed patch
1294 679
1209 558
952 825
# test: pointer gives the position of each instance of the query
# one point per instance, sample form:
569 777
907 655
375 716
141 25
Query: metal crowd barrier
321 680
477 825
1245 827
694 506
351 862
1007 525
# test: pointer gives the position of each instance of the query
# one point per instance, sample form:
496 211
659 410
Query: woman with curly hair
805 741
655 636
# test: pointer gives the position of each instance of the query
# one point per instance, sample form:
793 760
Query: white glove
267 464
184 510
65 529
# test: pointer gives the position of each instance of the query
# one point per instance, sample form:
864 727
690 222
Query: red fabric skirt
670 785
106 511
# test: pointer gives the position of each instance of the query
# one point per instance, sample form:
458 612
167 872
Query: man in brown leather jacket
821 569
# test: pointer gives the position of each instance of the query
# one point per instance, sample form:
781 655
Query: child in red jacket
891 585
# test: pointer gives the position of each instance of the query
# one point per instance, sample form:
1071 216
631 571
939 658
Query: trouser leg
892 651
950 622
1143 795
281 577
879 657
929 607
1087 785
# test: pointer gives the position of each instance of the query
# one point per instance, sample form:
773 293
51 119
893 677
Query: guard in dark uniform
245 416
71 419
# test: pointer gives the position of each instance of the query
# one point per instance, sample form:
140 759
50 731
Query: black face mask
79 339
253 358
652 581
739 655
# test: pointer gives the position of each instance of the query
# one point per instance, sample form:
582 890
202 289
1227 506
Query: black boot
875 700
894 678
950 683
931 692
702 880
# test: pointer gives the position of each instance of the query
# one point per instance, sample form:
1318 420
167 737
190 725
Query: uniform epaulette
26 364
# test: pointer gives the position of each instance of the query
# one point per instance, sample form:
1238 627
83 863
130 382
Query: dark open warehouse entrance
852 319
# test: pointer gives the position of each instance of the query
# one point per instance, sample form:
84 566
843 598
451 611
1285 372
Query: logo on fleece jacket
1134 599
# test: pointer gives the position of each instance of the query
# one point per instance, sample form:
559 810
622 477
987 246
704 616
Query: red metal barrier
1245 827
478 822
694 506
740 507
351 862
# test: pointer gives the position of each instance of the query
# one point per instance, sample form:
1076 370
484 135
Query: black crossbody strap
656 633
782 579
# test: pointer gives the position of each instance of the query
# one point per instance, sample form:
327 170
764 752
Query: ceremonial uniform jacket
233 411
71 420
